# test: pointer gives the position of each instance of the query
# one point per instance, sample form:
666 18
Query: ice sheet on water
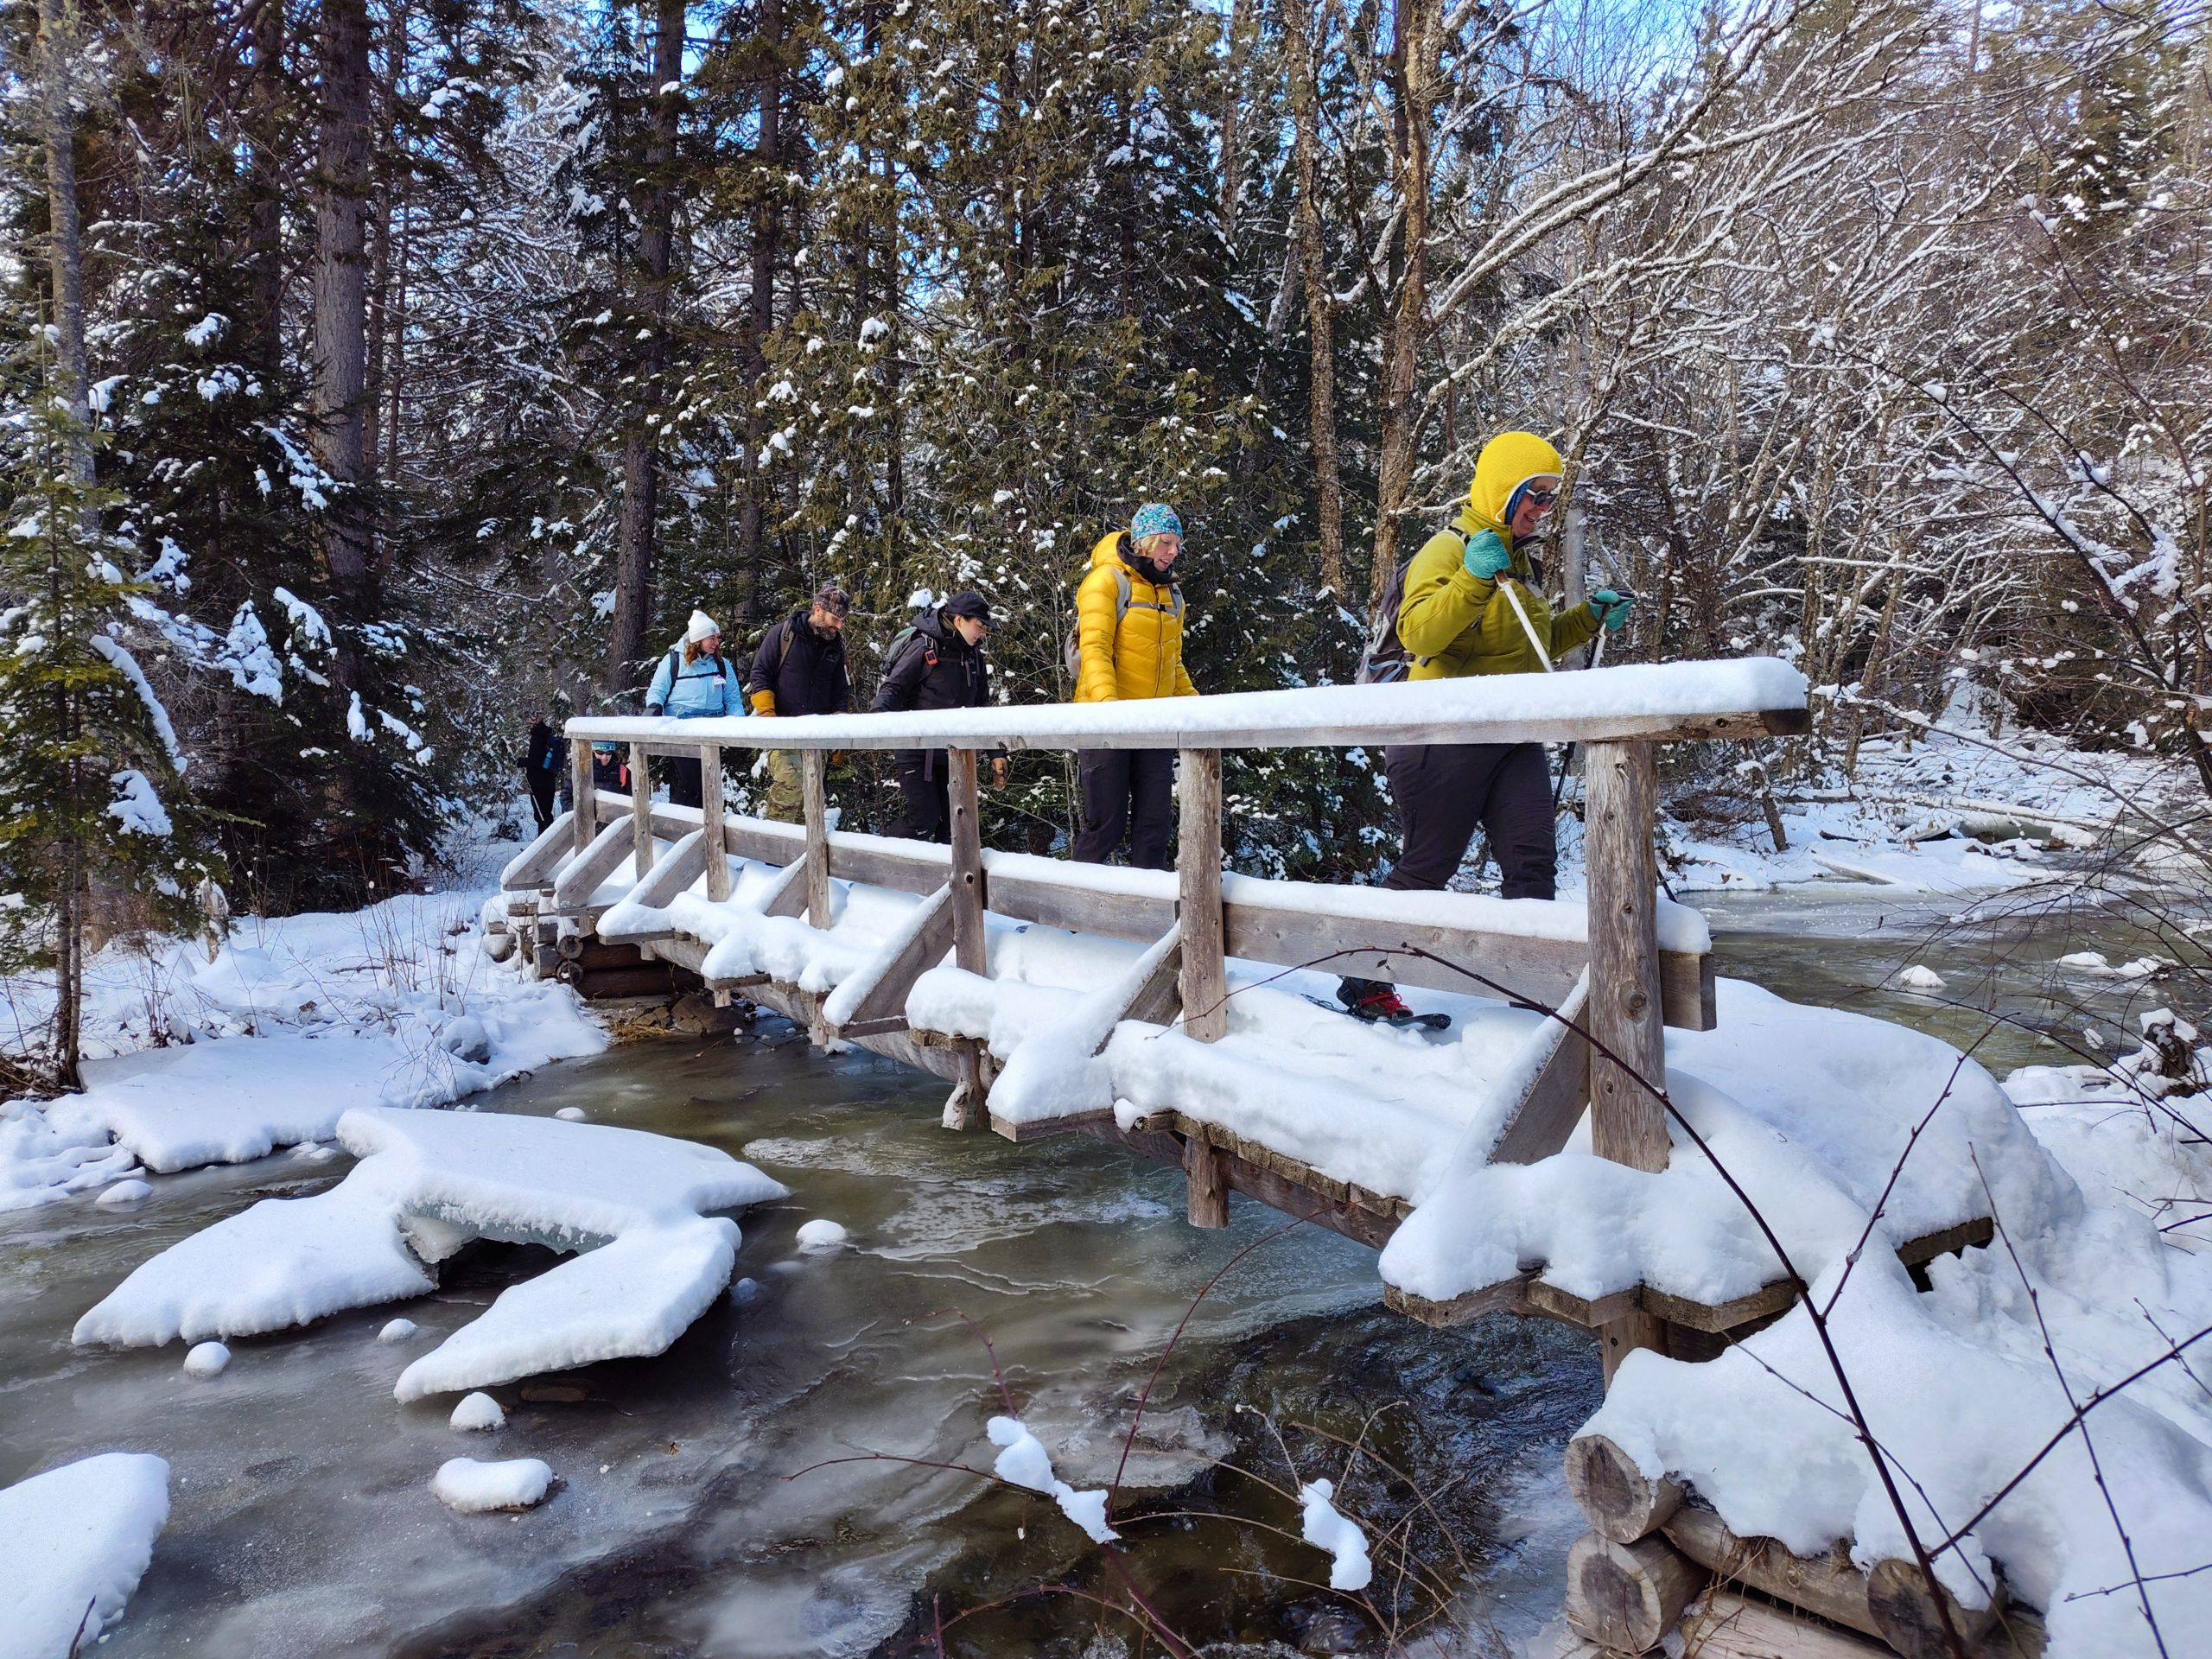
635 1203
80 1536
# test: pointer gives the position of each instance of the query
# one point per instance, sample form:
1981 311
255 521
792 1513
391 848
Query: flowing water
774 1484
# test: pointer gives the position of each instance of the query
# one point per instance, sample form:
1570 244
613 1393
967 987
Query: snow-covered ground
296 1021
78 1539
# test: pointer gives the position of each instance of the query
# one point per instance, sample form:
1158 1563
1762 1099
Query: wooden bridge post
814 786
586 824
641 812
711 820
968 899
1627 1124
1197 865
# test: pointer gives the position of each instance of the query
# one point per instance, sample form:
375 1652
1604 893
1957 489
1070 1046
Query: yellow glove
998 772
764 702
837 757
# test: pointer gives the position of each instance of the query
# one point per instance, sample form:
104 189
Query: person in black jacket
800 669
543 758
936 663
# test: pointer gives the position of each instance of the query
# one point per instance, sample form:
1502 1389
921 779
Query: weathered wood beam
1619 1501
814 786
641 811
528 869
787 892
1720 1624
1628 1597
675 872
1203 979
1552 1104
573 890
1205 1188
966 887
587 818
1829 1585
1628 1122
710 820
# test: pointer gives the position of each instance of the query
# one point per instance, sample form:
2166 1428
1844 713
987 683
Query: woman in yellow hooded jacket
1472 605
1129 645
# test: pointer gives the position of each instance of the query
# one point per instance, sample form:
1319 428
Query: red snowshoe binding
1378 1003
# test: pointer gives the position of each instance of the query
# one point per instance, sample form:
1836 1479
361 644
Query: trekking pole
1526 626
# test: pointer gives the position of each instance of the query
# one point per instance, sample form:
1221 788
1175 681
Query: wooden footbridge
618 872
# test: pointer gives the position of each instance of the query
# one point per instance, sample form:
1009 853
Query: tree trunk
64 246
767 153
636 529
342 306
265 234
1328 486
1412 78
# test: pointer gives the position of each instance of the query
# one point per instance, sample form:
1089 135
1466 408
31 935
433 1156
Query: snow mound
79 1537
397 1330
820 1237
125 1195
1921 977
571 1113
477 1411
206 1359
634 1204
473 1488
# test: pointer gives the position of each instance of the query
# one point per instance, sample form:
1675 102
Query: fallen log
1627 1596
1620 1501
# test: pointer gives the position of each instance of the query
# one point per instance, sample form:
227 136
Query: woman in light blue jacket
692 683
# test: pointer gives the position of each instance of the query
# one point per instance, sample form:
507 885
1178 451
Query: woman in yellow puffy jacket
1129 644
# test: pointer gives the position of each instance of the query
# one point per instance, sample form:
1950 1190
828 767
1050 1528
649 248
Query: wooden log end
1912 1615
1628 1597
1622 1503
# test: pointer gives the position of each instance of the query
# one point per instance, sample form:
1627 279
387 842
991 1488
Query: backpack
1386 660
1124 594
900 640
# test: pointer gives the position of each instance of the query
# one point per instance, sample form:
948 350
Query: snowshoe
1379 1004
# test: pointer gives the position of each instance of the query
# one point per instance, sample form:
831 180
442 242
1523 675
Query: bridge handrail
1752 696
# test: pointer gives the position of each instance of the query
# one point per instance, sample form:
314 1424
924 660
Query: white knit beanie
701 627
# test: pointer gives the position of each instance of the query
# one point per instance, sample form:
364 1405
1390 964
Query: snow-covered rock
206 1359
473 1488
125 1195
634 1206
1919 977
820 1237
78 1539
571 1114
397 1330
476 1412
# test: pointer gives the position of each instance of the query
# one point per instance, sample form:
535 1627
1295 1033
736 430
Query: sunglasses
1540 497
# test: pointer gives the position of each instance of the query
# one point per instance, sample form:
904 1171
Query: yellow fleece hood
1508 461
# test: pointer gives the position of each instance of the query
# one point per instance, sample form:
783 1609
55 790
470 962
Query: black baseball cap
969 603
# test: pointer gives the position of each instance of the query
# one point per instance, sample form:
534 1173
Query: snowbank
632 1203
78 1539
297 1022
473 1488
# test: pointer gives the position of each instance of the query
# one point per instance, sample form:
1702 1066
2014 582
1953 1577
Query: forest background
380 372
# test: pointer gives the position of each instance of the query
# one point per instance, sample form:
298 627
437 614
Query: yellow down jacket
1452 624
1138 653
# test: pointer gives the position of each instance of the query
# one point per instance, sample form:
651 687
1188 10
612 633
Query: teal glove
1486 558
1610 609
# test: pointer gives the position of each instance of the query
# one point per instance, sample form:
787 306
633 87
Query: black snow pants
1444 790
542 785
927 813
1131 791
686 780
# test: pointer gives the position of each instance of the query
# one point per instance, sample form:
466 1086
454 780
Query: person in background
1129 644
937 663
693 682
800 669
609 770
543 758
1473 604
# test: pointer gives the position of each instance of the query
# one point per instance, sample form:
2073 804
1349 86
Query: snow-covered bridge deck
1171 1012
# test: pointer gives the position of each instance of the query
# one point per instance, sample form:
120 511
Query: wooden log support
1909 1613
1628 1123
1627 1596
1203 979
641 812
586 819
968 944
1827 1585
534 866
711 825
1720 1624
814 786
787 892
1159 995
1206 1202
682 864
584 873
1620 1501
1552 1104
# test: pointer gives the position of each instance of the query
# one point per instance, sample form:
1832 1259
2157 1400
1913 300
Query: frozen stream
302 1523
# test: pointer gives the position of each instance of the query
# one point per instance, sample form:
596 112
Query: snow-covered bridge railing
822 924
